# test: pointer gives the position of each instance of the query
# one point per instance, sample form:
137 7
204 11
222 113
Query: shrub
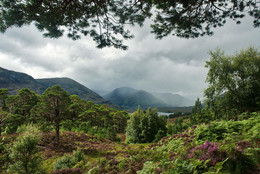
69 161
24 152
27 128
144 125
208 152
65 162
150 167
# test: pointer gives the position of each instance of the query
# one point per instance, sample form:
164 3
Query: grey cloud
168 65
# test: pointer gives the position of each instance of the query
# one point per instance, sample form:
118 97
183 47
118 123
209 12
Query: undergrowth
216 147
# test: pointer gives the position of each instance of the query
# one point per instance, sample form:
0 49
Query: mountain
72 87
175 100
14 81
130 98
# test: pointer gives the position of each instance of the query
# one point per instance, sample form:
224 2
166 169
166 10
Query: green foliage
65 162
3 117
12 122
24 153
144 127
19 110
69 161
176 114
57 109
197 107
178 126
25 101
205 116
97 120
27 128
149 167
53 107
105 21
233 83
219 130
239 162
5 159
3 97
190 19
218 147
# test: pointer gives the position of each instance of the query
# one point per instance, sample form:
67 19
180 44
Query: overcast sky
169 65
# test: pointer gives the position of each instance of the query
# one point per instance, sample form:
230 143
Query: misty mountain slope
175 100
14 81
146 99
119 96
130 98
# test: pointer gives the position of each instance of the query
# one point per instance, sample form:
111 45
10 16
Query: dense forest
60 133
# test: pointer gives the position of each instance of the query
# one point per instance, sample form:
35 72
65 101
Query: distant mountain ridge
72 87
130 98
175 100
14 81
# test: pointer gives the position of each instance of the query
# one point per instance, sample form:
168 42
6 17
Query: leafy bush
69 161
177 126
24 152
27 128
65 162
143 126
240 161
150 167
219 130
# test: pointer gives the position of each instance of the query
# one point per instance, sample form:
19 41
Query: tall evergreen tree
3 97
3 117
54 107
3 113
197 108
25 101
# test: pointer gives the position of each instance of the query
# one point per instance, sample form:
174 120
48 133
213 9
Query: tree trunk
58 134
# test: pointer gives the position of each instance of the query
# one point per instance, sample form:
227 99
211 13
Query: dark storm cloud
168 65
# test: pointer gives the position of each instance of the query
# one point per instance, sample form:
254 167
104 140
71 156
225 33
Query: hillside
14 81
72 87
130 98
220 147
175 100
